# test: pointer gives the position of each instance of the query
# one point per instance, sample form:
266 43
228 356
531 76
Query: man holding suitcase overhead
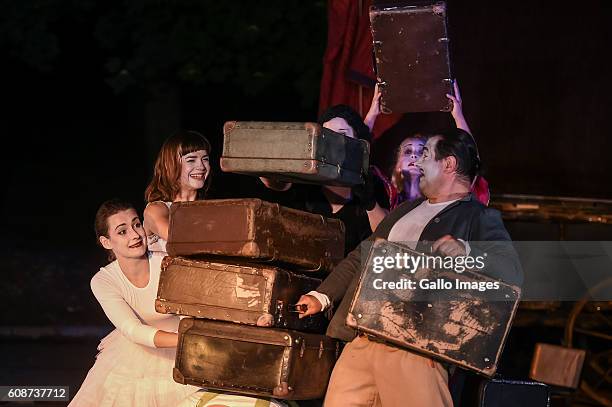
371 373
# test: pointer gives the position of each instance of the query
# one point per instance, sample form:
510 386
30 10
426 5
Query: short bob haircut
165 183
352 118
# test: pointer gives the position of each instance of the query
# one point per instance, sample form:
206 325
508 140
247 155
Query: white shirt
407 230
132 309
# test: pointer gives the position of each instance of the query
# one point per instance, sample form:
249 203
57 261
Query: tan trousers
370 374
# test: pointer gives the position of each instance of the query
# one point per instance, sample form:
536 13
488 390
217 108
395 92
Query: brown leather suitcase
294 152
254 360
412 57
557 365
465 327
252 294
257 230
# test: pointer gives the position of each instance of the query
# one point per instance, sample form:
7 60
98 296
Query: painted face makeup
126 235
411 150
195 168
431 170
339 125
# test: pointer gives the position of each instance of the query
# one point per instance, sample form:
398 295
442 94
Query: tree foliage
247 45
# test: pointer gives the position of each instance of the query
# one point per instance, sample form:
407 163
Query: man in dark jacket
371 373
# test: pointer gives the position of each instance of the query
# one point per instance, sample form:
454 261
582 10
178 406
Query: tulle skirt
209 398
128 374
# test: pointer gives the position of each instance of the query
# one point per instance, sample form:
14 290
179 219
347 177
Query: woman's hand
164 339
457 111
374 111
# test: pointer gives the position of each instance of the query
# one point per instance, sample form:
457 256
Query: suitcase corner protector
351 320
178 376
312 128
186 324
229 126
166 261
225 165
250 249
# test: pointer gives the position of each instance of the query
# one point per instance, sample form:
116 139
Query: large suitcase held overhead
254 360
412 57
253 294
456 317
294 152
257 230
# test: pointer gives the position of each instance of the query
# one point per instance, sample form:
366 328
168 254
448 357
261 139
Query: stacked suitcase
236 268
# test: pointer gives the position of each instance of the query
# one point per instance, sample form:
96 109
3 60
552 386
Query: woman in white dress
134 365
181 174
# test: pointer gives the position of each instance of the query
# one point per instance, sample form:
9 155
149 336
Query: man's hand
449 246
313 305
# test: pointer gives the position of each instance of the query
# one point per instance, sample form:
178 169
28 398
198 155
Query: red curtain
348 63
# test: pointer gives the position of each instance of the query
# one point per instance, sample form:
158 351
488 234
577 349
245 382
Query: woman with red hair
181 173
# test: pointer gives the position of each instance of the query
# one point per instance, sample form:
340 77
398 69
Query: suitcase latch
279 313
302 347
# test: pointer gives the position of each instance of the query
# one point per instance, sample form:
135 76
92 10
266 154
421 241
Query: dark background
91 89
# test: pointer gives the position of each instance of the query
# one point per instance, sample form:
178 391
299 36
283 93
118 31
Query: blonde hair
397 177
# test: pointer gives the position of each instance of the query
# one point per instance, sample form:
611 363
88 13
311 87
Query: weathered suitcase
254 360
511 393
250 294
557 365
462 327
294 152
412 57
255 229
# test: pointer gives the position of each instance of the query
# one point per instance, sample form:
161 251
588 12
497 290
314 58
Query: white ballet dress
129 370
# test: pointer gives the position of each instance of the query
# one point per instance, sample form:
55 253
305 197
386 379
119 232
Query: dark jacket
466 219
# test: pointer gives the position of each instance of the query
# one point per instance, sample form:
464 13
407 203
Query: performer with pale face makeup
356 207
181 174
134 365
406 175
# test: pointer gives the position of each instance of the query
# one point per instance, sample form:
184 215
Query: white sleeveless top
154 242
